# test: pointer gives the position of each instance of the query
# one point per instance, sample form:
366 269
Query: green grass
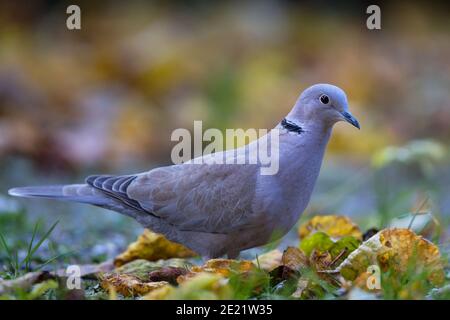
16 267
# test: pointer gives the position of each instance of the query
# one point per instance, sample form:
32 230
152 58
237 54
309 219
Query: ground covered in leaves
332 259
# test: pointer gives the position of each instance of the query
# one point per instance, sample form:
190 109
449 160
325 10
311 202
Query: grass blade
44 237
8 253
27 258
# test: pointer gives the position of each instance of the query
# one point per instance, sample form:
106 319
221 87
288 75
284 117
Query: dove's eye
324 99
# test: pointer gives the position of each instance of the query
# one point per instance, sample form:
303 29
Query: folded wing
198 197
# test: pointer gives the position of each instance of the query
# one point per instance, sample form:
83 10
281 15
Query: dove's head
323 103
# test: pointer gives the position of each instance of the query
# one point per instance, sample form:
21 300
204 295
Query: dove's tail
83 193
73 192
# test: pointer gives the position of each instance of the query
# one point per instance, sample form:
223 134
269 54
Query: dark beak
351 119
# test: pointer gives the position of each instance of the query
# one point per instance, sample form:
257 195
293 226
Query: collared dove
218 209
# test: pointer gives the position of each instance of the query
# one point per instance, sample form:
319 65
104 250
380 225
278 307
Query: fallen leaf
129 285
153 246
143 268
294 258
138 277
169 274
342 248
269 260
320 260
318 241
333 225
202 286
224 267
323 254
292 261
395 249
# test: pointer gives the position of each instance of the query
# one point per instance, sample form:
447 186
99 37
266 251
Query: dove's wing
211 198
191 197
215 198
198 197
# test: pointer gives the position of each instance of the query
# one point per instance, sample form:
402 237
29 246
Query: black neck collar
291 126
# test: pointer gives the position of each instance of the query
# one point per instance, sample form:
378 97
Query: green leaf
319 241
346 244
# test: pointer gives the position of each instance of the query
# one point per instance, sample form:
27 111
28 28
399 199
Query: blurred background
105 99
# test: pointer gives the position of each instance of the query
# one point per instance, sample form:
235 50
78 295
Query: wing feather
198 197
116 187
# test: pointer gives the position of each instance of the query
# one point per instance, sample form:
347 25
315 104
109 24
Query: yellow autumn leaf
152 246
223 267
395 249
138 277
129 285
333 225
201 286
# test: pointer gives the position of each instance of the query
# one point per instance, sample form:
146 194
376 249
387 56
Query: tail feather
74 192
82 193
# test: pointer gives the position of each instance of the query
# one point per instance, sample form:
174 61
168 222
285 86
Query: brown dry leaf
333 225
269 260
143 268
321 261
395 249
169 274
152 246
294 259
128 285
292 262
282 273
141 276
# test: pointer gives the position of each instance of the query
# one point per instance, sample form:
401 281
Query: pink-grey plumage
217 209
